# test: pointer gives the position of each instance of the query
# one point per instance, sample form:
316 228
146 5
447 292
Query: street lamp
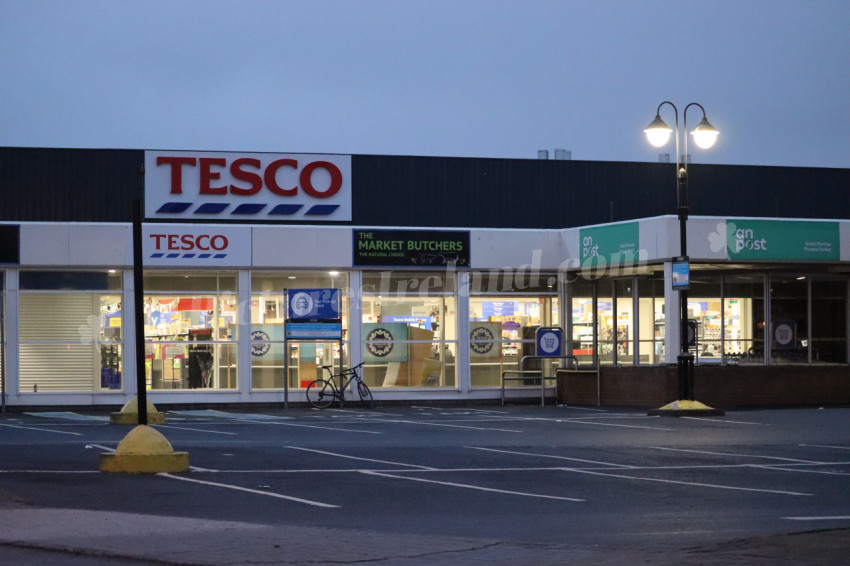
658 134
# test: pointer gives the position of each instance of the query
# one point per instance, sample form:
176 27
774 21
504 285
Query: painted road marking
337 455
195 429
695 484
252 417
835 518
248 490
322 427
70 416
424 423
733 454
42 429
724 421
467 486
549 456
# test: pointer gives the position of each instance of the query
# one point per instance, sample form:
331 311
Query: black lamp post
658 134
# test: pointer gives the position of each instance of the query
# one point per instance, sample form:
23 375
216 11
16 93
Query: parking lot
433 485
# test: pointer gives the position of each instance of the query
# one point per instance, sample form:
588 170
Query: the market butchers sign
411 248
253 186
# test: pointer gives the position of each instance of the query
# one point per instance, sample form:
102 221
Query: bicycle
322 392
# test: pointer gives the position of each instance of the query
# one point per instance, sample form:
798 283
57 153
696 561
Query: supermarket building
435 272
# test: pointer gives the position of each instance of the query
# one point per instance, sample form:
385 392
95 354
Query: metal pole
139 303
3 342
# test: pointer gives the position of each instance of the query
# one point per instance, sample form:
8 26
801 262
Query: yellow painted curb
129 414
144 451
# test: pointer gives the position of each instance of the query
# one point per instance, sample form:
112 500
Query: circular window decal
260 343
375 345
481 340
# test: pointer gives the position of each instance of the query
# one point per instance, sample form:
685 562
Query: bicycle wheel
320 394
365 395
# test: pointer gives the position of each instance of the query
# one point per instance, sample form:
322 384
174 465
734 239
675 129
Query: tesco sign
254 186
196 245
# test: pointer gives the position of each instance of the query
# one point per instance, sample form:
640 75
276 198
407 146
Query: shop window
190 331
582 321
268 318
615 321
743 318
704 315
829 321
70 331
409 329
651 322
503 324
789 327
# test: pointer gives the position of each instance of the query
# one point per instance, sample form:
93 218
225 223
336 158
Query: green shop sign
782 240
610 245
411 248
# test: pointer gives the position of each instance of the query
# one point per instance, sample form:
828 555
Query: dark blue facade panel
93 185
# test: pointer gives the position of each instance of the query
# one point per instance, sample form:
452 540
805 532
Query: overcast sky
470 78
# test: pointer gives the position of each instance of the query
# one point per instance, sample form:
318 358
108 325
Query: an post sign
782 240
253 186
313 304
411 248
617 244
549 341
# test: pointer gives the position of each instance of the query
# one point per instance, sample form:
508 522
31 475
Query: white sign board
196 245
213 186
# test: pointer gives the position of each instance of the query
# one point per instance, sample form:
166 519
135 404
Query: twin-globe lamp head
658 133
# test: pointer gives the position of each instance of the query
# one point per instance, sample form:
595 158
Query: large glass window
190 330
504 314
743 318
705 311
409 329
268 318
583 318
829 321
70 331
651 324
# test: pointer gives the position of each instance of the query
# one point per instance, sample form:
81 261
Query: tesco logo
208 186
252 175
189 242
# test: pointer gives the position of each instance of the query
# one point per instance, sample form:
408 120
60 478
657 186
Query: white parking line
424 423
337 455
733 454
322 427
467 486
695 484
195 429
826 446
548 456
247 490
835 518
724 421
42 429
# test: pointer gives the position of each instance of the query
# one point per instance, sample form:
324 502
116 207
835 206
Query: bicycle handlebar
329 368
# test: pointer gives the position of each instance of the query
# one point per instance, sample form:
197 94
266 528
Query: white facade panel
541 249
302 246
45 244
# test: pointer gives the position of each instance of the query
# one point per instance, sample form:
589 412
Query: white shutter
65 357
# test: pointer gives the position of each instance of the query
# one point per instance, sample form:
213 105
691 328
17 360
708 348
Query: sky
464 78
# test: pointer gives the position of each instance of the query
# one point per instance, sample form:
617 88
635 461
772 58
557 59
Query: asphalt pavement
433 485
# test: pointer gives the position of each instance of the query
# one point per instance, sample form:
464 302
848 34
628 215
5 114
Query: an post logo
262 186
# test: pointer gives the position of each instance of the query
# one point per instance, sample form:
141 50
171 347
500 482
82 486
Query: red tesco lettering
250 171
189 242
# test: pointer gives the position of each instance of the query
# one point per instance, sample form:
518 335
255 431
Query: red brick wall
716 386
